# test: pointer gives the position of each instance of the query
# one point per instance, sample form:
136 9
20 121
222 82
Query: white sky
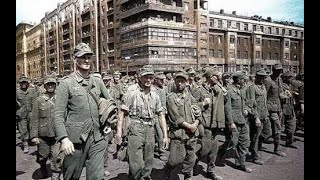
290 10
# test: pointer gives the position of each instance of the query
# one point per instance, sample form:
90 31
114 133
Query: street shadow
230 164
38 175
121 176
160 173
198 169
19 173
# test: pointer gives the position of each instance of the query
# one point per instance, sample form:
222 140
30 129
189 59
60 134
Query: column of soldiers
179 116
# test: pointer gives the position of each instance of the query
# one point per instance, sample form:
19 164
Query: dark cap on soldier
210 72
288 74
145 70
261 72
277 67
50 80
182 73
226 75
117 73
191 71
23 79
106 76
239 75
159 75
82 49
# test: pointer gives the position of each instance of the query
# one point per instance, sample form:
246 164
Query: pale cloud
34 10
287 10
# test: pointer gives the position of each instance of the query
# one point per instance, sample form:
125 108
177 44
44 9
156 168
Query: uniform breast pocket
43 111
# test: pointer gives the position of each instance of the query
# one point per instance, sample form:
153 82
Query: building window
238 54
219 23
211 53
261 28
211 23
269 55
232 39
254 27
238 26
258 41
238 41
286 44
245 41
295 33
295 45
276 56
269 30
277 31
245 54
211 38
283 31
219 53
258 54
269 43
232 53
219 39
290 32
245 27
302 34
295 57
229 24
286 56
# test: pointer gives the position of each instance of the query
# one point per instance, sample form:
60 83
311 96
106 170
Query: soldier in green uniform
25 96
191 82
259 122
42 132
160 89
288 108
274 90
76 119
183 127
211 95
141 105
236 112
117 91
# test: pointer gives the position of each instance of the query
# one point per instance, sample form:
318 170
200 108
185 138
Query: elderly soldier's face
84 62
50 87
147 80
181 83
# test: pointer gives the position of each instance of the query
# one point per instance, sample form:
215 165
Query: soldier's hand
206 101
35 140
67 147
258 122
232 127
193 127
118 139
165 143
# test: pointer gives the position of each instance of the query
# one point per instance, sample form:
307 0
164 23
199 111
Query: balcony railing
153 6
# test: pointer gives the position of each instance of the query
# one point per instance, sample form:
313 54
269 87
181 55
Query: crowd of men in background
73 119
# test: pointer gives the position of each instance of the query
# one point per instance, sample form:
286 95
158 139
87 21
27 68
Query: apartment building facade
168 34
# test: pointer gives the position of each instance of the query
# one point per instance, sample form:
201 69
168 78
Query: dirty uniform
213 121
234 108
76 117
25 98
182 142
258 94
142 109
41 127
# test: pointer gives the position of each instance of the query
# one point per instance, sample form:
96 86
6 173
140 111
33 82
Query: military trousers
290 127
141 143
276 129
90 154
47 146
105 156
243 142
209 147
182 151
23 125
159 137
254 137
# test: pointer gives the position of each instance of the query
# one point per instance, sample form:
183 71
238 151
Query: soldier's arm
228 109
59 110
251 96
34 120
104 90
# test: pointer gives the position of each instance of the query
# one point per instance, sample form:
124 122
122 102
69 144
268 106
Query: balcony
158 22
66 31
110 25
158 6
85 10
110 11
110 40
110 53
85 34
85 23
65 52
66 41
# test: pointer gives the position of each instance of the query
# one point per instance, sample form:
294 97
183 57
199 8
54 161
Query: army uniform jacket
41 117
162 92
25 98
76 111
288 102
213 115
180 110
274 88
258 95
234 105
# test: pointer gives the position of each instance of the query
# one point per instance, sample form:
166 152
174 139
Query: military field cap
145 70
23 79
182 73
288 74
191 71
277 67
82 49
117 73
50 80
106 76
226 75
239 75
159 75
261 72
210 72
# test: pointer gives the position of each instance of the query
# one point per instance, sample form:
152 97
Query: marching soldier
42 132
76 119
141 105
